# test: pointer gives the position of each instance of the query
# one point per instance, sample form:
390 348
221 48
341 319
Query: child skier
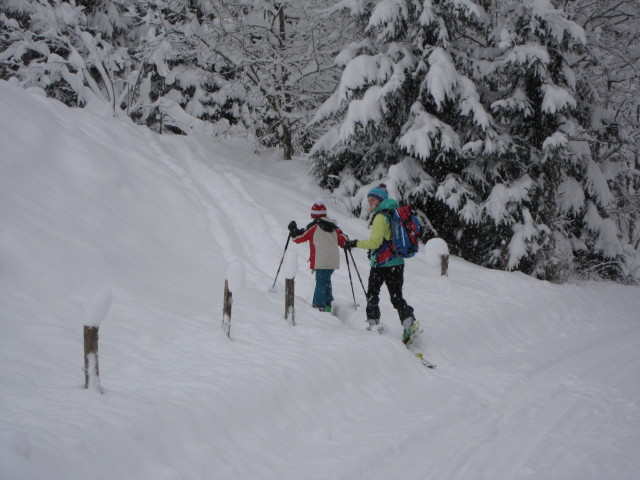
324 238
386 266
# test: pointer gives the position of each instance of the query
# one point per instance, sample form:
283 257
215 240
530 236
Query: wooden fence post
504 256
289 308
91 368
226 309
444 265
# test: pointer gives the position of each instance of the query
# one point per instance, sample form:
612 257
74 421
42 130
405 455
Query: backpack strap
386 251
386 212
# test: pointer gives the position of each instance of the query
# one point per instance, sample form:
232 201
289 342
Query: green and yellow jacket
380 246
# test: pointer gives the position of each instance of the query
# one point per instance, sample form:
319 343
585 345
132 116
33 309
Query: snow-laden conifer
487 97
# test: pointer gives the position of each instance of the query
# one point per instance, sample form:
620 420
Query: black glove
349 244
292 226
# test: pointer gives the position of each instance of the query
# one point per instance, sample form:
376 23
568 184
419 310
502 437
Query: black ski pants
393 277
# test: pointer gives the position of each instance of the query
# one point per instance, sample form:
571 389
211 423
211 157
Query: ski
417 330
424 361
379 329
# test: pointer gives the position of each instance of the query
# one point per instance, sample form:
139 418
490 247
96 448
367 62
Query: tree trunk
287 142
287 136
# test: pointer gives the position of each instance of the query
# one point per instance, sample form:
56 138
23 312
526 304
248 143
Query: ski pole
358 272
281 260
346 255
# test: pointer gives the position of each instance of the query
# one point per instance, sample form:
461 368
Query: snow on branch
557 140
517 102
327 142
502 196
570 196
356 7
174 114
597 186
527 55
360 72
453 192
521 241
388 15
607 242
407 179
424 131
361 112
555 22
469 8
556 99
470 103
442 77
428 16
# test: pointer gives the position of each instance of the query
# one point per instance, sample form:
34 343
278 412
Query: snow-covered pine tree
612 73
469 110
406 109
409 110
543 103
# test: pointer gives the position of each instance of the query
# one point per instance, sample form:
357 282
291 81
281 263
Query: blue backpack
405 230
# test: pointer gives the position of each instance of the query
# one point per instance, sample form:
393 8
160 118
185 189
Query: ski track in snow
556 389
534 381
553 396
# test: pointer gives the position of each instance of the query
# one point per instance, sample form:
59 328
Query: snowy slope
534 380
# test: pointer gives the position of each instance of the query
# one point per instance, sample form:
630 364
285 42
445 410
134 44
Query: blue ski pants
323 294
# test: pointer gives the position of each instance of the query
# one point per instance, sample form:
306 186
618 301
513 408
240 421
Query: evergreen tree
405 107
408 109
610 69
567 227
471 111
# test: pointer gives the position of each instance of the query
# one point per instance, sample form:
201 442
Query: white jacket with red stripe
324 239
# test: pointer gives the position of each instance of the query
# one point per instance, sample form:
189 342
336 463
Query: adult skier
386 267
324 239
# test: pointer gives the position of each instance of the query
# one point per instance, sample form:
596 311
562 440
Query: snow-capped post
233 283
94 313
504 256
438 254
289 295
291 268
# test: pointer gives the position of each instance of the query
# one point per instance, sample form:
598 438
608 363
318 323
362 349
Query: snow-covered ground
534 380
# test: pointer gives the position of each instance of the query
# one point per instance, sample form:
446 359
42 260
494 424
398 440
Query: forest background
511 126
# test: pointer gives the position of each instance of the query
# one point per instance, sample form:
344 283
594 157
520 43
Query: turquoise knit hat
379 192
